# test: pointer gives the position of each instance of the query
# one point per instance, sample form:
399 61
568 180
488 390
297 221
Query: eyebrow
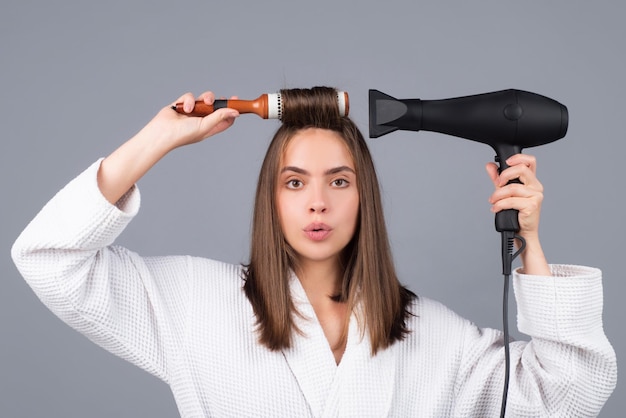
330 171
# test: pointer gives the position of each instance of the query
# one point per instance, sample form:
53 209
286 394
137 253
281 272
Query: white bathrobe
186 320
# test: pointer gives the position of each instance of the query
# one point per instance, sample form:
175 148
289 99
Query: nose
317 207
318 201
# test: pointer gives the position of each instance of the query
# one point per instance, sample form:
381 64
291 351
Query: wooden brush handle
257 106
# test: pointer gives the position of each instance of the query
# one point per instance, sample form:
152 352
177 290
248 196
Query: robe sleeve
66 255
568 368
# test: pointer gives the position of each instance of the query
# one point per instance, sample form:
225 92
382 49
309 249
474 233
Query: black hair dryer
508 120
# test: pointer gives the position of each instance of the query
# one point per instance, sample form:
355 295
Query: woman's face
317 195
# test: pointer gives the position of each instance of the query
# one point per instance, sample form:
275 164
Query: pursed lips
317 231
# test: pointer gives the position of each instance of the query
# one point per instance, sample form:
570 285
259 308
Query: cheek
357 212
352 209
286 211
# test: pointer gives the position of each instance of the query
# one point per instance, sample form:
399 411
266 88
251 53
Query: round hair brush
267 106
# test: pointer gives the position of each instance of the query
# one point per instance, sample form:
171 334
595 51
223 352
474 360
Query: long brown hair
369 278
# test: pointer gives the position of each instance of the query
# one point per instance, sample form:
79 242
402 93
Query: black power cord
508 244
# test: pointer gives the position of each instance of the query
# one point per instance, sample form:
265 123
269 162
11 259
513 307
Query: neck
320 280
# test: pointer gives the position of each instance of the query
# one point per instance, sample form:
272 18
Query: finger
219 120
226 113
182 98
188 101
514 170
523 159
522 173
492 171
208 97
513 190
518 172
522 204
512 173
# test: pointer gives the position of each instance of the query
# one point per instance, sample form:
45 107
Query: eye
294 184
340 183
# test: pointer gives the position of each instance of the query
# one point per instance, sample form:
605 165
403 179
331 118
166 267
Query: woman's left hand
526 197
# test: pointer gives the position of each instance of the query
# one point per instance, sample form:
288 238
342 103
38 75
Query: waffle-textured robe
186 320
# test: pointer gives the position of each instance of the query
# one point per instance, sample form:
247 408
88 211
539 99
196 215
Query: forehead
317 147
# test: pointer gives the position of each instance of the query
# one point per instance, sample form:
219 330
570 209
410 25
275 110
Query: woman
317 324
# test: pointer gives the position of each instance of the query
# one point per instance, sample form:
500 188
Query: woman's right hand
173 129
166 131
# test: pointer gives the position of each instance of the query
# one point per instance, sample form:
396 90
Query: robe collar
360 385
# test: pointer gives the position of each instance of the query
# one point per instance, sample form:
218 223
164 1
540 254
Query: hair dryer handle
506 220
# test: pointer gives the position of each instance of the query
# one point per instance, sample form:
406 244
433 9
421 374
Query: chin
318 257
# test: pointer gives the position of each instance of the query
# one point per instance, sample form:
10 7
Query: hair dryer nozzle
382 108
388 114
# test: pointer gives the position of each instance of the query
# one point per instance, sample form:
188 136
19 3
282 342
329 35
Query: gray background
79 78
